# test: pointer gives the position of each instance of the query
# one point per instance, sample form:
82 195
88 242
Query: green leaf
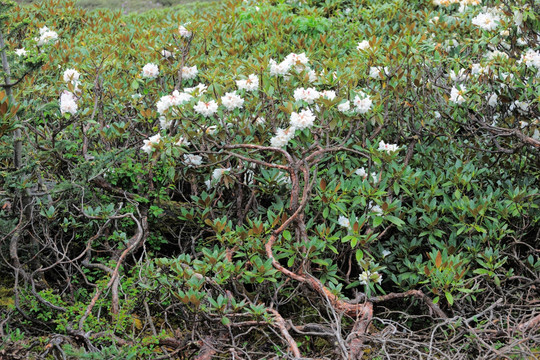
395 220
377 220
449 298
287 235
225 321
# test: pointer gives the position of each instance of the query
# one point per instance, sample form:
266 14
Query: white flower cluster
189 72
363 174
185 33
192 160
218 173
344 221
282 137
389 148
362 103
493 100
531 58
477 69
344 107
375 208
363 45
46 36
68 103
487 21
367 276
166 54
201 89
150 143
175 99
249 84
206 109
308 95
456 95
328 94
302 120
150 71
297 61
231 101
375 71
298 121
72 76
20 52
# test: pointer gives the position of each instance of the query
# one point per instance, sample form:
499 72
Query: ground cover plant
249 180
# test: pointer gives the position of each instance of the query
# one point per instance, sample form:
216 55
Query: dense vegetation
320 179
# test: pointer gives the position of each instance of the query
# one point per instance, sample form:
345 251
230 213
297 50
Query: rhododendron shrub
217 179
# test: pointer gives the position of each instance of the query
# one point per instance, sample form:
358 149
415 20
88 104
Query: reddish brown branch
282 326
356 340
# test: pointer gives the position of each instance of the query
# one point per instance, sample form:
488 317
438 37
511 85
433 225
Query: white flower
163 104
192 160
375 208
346 106
456 96
385 253
299 61
493 100
302 120
179 98
309 95
183 31
249 84
477 69
361 172
218 173
366 276
459 76
71 75
531 58
312 75
46 36
164 123
521 106
206 108
20 52
189 72
211 130
260 121
343 221
389 148
149 144
363 105
492 55
328 94
437 115
232 101
68 103
150 71
201 88
434 20
166 53
282 137
279 69
182 142
486 21
375 71
363 45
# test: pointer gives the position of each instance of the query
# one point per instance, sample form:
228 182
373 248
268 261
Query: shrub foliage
337 179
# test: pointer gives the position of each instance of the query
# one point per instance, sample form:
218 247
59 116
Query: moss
6 297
